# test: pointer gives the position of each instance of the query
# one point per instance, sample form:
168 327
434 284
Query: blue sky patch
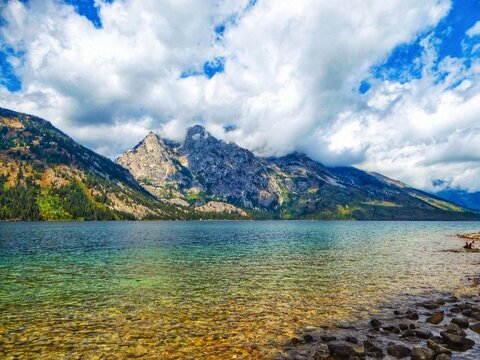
210 68
364 87
404 62
8 78
88 9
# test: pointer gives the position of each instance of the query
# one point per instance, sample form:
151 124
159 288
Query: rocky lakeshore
437 326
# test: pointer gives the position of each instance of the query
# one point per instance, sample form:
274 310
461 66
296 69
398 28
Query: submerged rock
375 323
328 338
351 339
372 350
308 338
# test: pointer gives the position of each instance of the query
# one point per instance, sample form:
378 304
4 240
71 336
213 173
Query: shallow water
208 289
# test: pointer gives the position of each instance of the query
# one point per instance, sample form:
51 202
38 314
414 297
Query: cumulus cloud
290 80
474 30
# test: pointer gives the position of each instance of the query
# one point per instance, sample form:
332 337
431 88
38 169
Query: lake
209 289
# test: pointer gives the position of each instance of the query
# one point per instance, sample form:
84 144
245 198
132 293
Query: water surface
208 289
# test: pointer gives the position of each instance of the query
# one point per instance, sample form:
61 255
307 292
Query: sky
386 86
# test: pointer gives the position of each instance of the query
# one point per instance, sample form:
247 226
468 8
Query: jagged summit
204 169
197 130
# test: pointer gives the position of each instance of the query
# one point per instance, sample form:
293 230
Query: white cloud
474 30
291 76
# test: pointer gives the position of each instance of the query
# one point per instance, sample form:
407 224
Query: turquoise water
209 289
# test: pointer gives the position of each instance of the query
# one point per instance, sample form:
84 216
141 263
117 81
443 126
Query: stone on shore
461 322
419 353
375 323
392 329
411 315
372 350
328 338
456 338
443 357
423 333
437 348
475 327
397 350
430 305
308 338
322 352
436 318
343 350
351 339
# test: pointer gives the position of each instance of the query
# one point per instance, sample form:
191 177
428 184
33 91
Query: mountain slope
469 200
46 175
204 169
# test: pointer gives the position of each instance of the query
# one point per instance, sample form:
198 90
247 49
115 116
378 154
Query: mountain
204 171
469 200
46 175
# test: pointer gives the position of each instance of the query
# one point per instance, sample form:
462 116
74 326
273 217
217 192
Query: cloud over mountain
286 75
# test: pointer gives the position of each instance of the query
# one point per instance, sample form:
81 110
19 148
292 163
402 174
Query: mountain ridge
203 168
46 175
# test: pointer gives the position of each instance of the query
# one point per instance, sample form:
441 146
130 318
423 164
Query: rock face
219 208
203 168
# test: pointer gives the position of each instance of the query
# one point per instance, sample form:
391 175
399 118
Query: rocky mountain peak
204 169
197 132
151 141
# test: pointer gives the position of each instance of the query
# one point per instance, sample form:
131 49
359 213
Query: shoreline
437 326
440 324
